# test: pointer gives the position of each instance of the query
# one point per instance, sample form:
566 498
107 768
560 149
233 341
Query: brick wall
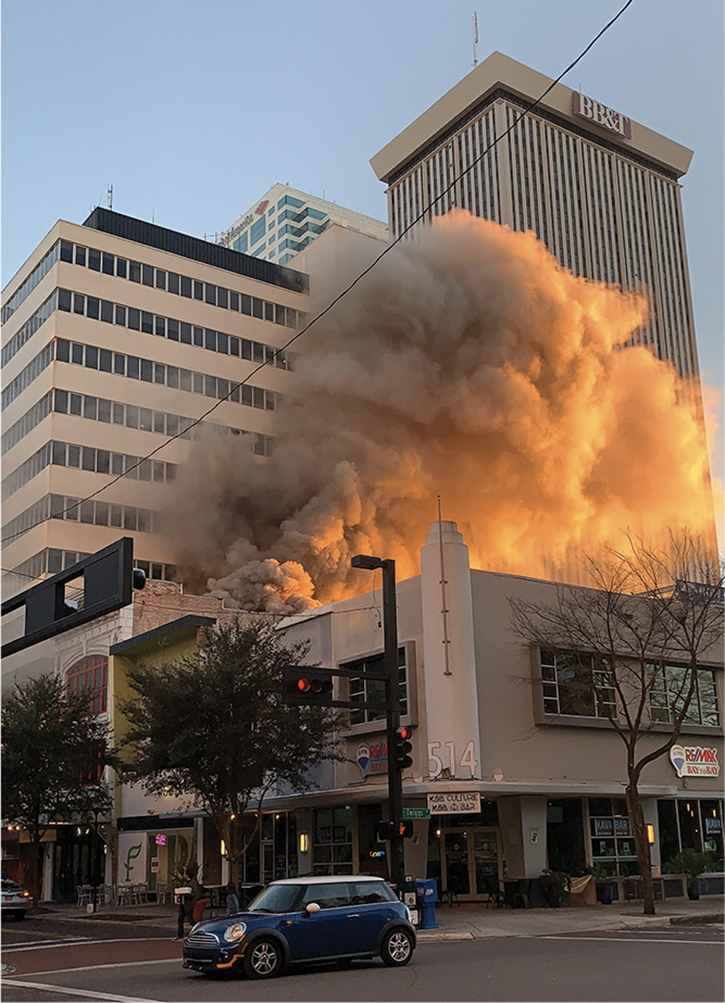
161 602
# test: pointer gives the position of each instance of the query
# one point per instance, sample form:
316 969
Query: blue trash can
427 891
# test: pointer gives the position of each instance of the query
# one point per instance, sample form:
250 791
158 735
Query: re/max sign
599 114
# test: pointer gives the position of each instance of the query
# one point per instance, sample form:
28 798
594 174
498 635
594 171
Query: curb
710 917
430 935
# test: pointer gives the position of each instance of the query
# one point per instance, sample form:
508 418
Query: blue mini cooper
306 919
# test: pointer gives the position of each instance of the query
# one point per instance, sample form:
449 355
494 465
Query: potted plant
605 883
692 863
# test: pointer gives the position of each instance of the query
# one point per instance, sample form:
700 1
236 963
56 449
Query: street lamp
366 562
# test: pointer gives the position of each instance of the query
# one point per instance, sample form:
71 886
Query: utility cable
345 291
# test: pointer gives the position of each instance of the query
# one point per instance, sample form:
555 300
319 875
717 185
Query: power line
345 291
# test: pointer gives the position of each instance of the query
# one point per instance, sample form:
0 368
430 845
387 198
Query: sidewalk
471 921
474 921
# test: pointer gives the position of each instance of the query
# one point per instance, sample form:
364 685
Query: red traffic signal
303 686
403 747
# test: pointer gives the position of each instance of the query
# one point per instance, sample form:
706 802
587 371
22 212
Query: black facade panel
195 249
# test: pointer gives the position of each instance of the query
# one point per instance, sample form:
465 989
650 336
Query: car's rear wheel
397 949
263 959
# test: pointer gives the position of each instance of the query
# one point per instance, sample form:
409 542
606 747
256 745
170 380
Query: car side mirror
311 908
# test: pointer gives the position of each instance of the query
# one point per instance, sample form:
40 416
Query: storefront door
470 864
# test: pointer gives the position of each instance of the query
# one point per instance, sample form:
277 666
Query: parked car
306 919
15 900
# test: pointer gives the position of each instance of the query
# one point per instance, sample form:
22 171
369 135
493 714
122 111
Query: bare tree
648 608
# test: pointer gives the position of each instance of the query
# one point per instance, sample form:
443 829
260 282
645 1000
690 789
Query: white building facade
285 221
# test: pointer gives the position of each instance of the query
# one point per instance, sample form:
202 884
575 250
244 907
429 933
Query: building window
577 684
362 690
332 851
669 691
613 846
90 674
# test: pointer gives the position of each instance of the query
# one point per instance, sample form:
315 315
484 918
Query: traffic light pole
395 775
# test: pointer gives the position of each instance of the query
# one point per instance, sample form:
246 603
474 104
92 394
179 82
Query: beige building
117 335
599 189
516 765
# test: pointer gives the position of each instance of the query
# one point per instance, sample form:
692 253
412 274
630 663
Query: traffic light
403 747
304 686
405 828
384 831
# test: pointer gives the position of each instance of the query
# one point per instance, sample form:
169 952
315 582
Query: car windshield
11 886
275 898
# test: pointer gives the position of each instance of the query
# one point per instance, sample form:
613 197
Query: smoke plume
466 364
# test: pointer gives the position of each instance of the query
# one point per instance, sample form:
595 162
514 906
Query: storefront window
710 814
669 839
611 834
332 853
689 825
565 835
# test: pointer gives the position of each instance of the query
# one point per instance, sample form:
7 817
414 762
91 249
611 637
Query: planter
693 890
605 894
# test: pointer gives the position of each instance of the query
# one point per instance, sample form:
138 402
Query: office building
285 221
599 189
117 335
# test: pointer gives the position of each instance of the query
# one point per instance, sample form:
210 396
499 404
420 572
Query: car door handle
353 915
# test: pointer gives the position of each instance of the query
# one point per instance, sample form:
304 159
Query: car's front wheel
397 949
263 959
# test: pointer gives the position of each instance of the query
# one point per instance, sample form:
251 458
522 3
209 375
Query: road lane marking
631 940
92 994
72 943
95 968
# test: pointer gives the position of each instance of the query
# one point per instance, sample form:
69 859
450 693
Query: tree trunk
639 831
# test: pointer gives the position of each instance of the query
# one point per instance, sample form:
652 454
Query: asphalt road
663 964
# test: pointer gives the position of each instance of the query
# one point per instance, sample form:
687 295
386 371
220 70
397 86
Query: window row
102 513
51 561
29 328
32 417
26 471
300 231
173 330
180 285
102 461
582 685
26 376
97 513
146 420
38 273
134 368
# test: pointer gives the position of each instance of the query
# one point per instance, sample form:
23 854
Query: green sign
416 813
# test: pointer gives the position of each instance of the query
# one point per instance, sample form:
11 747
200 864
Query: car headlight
235 932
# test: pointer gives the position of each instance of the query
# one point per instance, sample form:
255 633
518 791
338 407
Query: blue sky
193 110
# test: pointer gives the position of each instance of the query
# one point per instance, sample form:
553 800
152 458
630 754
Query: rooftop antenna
110 196
474 31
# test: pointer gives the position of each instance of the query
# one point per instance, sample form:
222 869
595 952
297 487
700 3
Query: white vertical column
450 664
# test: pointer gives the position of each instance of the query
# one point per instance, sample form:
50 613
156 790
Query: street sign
416 812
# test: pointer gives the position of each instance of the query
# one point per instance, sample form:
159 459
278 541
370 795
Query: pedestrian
232 899
188 899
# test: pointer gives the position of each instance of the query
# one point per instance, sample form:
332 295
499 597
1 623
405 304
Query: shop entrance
470 862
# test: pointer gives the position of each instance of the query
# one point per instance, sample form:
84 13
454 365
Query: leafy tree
647 609
213 725
54 751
